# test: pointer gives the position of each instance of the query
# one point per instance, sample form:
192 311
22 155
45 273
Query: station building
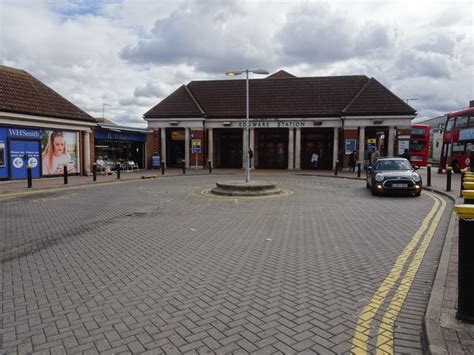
290 119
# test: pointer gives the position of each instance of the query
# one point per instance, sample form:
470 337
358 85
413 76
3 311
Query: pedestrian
373 158
352 161
315 160
250 158
406 155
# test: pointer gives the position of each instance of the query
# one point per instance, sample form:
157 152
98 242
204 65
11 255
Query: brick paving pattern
151 265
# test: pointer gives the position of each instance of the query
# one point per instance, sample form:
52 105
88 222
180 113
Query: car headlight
416 177
379 177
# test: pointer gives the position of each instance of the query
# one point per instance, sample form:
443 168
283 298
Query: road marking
15 248
385 331
360 338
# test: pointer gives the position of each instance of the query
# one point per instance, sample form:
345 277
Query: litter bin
466 263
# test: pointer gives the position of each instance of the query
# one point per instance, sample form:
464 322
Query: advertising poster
350 146
59 149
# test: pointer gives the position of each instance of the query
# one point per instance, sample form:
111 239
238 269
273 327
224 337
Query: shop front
118 145
47 151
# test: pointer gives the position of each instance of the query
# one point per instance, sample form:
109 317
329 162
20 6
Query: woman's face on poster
58 145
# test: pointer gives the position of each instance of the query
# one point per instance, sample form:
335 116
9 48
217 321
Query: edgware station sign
272 124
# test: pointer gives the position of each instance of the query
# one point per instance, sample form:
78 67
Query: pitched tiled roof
280 75
286 97
376 99
178 104
22 93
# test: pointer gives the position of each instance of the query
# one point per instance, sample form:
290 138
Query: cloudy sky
130 54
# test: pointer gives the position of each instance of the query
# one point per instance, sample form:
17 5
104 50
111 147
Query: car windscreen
392 165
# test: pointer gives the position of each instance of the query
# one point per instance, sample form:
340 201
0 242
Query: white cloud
131 54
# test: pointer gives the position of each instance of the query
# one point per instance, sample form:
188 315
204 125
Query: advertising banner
59 148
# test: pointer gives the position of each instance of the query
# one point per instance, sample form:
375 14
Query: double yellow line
416 247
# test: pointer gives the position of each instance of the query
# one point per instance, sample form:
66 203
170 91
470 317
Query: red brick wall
349 133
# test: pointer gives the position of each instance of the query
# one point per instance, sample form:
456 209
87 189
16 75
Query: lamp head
233 72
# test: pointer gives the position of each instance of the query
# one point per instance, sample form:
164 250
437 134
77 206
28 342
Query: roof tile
22 93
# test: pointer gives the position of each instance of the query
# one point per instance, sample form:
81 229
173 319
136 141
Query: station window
2 154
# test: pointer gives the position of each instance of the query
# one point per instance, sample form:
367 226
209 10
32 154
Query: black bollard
466 271
65 174
209 163
448 178
118 171
163 167
428 173
94 172
471 160
462 181
358 169
30 176
335 169
184 166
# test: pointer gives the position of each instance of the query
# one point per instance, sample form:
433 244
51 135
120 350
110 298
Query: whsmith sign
272 124
24 133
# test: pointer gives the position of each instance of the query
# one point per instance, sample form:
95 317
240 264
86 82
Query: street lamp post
247 141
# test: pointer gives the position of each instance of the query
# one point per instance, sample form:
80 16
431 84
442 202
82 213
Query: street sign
371 141
196 146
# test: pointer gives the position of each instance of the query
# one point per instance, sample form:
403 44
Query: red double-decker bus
458 139
419 147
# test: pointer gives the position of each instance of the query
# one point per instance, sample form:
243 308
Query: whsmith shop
290 119
40 128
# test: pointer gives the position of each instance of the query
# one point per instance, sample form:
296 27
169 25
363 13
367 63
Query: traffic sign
196 145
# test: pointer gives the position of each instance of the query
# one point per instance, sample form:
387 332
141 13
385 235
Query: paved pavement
443 333
151 265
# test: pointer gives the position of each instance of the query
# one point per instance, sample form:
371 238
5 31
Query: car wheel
456 167
374 191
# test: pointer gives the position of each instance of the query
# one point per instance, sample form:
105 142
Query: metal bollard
466 263
358 169
428 173
94 172
337 166
463 171
29 175
209 163
184 166
163 167
471 161
118 171
65 174
448 178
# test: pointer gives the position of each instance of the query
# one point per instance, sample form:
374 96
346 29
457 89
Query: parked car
393 175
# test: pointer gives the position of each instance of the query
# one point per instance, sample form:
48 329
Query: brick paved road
151 265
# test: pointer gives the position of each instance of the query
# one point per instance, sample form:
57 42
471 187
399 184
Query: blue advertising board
156 161
466 134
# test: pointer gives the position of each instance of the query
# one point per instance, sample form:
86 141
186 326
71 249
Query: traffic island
246 189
